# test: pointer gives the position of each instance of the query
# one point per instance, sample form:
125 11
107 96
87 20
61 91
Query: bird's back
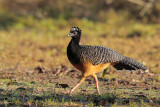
99 54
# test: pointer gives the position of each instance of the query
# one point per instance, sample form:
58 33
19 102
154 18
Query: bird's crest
76 29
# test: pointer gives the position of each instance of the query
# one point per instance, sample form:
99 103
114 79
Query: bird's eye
75 33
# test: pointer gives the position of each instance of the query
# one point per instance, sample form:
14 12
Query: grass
36 95
32 50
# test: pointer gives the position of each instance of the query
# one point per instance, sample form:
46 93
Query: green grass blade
104 72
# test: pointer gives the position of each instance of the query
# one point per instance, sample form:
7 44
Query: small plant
111 98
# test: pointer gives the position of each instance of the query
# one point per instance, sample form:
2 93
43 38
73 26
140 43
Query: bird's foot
98 93
70 92
66 92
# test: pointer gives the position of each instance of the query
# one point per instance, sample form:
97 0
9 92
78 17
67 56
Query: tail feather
129 64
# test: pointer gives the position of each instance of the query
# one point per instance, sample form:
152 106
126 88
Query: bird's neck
75 41
73 46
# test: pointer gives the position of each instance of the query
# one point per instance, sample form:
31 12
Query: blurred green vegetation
123 18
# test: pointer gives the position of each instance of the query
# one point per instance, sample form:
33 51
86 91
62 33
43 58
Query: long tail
129 64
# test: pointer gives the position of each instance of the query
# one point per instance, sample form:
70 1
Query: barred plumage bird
93 59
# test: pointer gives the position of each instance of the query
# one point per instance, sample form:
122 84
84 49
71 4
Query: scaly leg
96 79
83 78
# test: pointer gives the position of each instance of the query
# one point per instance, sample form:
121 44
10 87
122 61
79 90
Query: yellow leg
96 79
83 78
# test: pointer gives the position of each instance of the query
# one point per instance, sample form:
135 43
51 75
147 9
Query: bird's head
75 32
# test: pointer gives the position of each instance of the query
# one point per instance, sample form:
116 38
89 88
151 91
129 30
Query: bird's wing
100 55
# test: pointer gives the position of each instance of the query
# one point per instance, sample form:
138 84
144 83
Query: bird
93 59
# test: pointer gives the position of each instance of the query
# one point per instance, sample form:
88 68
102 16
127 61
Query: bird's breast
74 55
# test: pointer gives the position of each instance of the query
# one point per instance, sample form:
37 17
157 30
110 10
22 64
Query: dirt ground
37 72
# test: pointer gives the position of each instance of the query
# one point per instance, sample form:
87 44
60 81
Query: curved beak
70 34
